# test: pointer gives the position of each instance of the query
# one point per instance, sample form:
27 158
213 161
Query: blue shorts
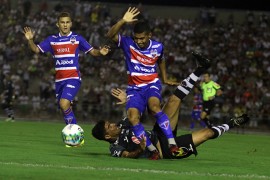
196 115
67 89
137 97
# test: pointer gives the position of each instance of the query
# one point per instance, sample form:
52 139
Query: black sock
186 85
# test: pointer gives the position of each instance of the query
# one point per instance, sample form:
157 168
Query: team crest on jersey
135 140
153 52
73 39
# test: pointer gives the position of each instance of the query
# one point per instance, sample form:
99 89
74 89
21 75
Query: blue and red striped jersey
141 64
65 51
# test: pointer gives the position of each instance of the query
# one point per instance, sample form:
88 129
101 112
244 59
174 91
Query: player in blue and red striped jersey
65 47
143 55
197 109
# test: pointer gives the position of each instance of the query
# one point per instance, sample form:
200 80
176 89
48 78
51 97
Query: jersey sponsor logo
116 153
126 139
135 140
64 62
142 58
63 50
70 86
143 69
156 46
64 39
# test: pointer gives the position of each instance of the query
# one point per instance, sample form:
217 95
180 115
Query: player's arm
129 16
120 95
29 35
135 153
162 68
219 92
102 51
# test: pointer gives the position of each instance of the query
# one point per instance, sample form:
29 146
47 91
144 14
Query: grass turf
34 150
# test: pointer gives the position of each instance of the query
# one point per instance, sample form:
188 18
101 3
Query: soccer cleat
201 60
238 121
10 119
79 145
176 151
155 155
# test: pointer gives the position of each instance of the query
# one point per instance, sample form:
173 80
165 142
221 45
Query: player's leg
135 107
67 92
172 106
203 135
207 107
9 111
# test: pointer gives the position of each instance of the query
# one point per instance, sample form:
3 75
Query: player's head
64 23
206 77
105 130
142 34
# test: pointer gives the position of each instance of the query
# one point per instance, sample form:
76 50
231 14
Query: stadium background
236 35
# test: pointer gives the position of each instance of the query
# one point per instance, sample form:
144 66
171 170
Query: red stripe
62 49
136 80
61 74
143 58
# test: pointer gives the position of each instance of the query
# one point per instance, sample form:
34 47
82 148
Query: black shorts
183 141
208 106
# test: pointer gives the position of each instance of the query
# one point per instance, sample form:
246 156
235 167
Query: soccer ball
72 135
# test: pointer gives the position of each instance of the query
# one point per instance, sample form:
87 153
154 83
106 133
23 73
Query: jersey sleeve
161 57
45 46
123 41
116 150
216 85
84 45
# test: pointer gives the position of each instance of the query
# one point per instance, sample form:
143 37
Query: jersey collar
66 36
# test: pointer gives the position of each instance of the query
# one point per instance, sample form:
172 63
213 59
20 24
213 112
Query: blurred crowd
241 52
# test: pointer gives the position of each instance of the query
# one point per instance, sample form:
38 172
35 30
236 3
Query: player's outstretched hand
120 95
104 50
28 33
130 15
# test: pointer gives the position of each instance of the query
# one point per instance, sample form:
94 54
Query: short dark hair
64 14
141 26
98 130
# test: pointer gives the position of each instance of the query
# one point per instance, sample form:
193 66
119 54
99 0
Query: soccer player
7 96
210 90
197 109
65 47
143 55
123 143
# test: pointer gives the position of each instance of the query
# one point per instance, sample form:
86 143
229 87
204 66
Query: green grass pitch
34 150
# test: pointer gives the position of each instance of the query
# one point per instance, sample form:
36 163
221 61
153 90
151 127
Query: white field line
91 168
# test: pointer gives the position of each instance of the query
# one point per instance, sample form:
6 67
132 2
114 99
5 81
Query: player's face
206 77
64 24
142 39
111 129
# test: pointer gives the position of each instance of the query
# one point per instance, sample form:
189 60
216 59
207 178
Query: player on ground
143 55
210 90
125 144
65 47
